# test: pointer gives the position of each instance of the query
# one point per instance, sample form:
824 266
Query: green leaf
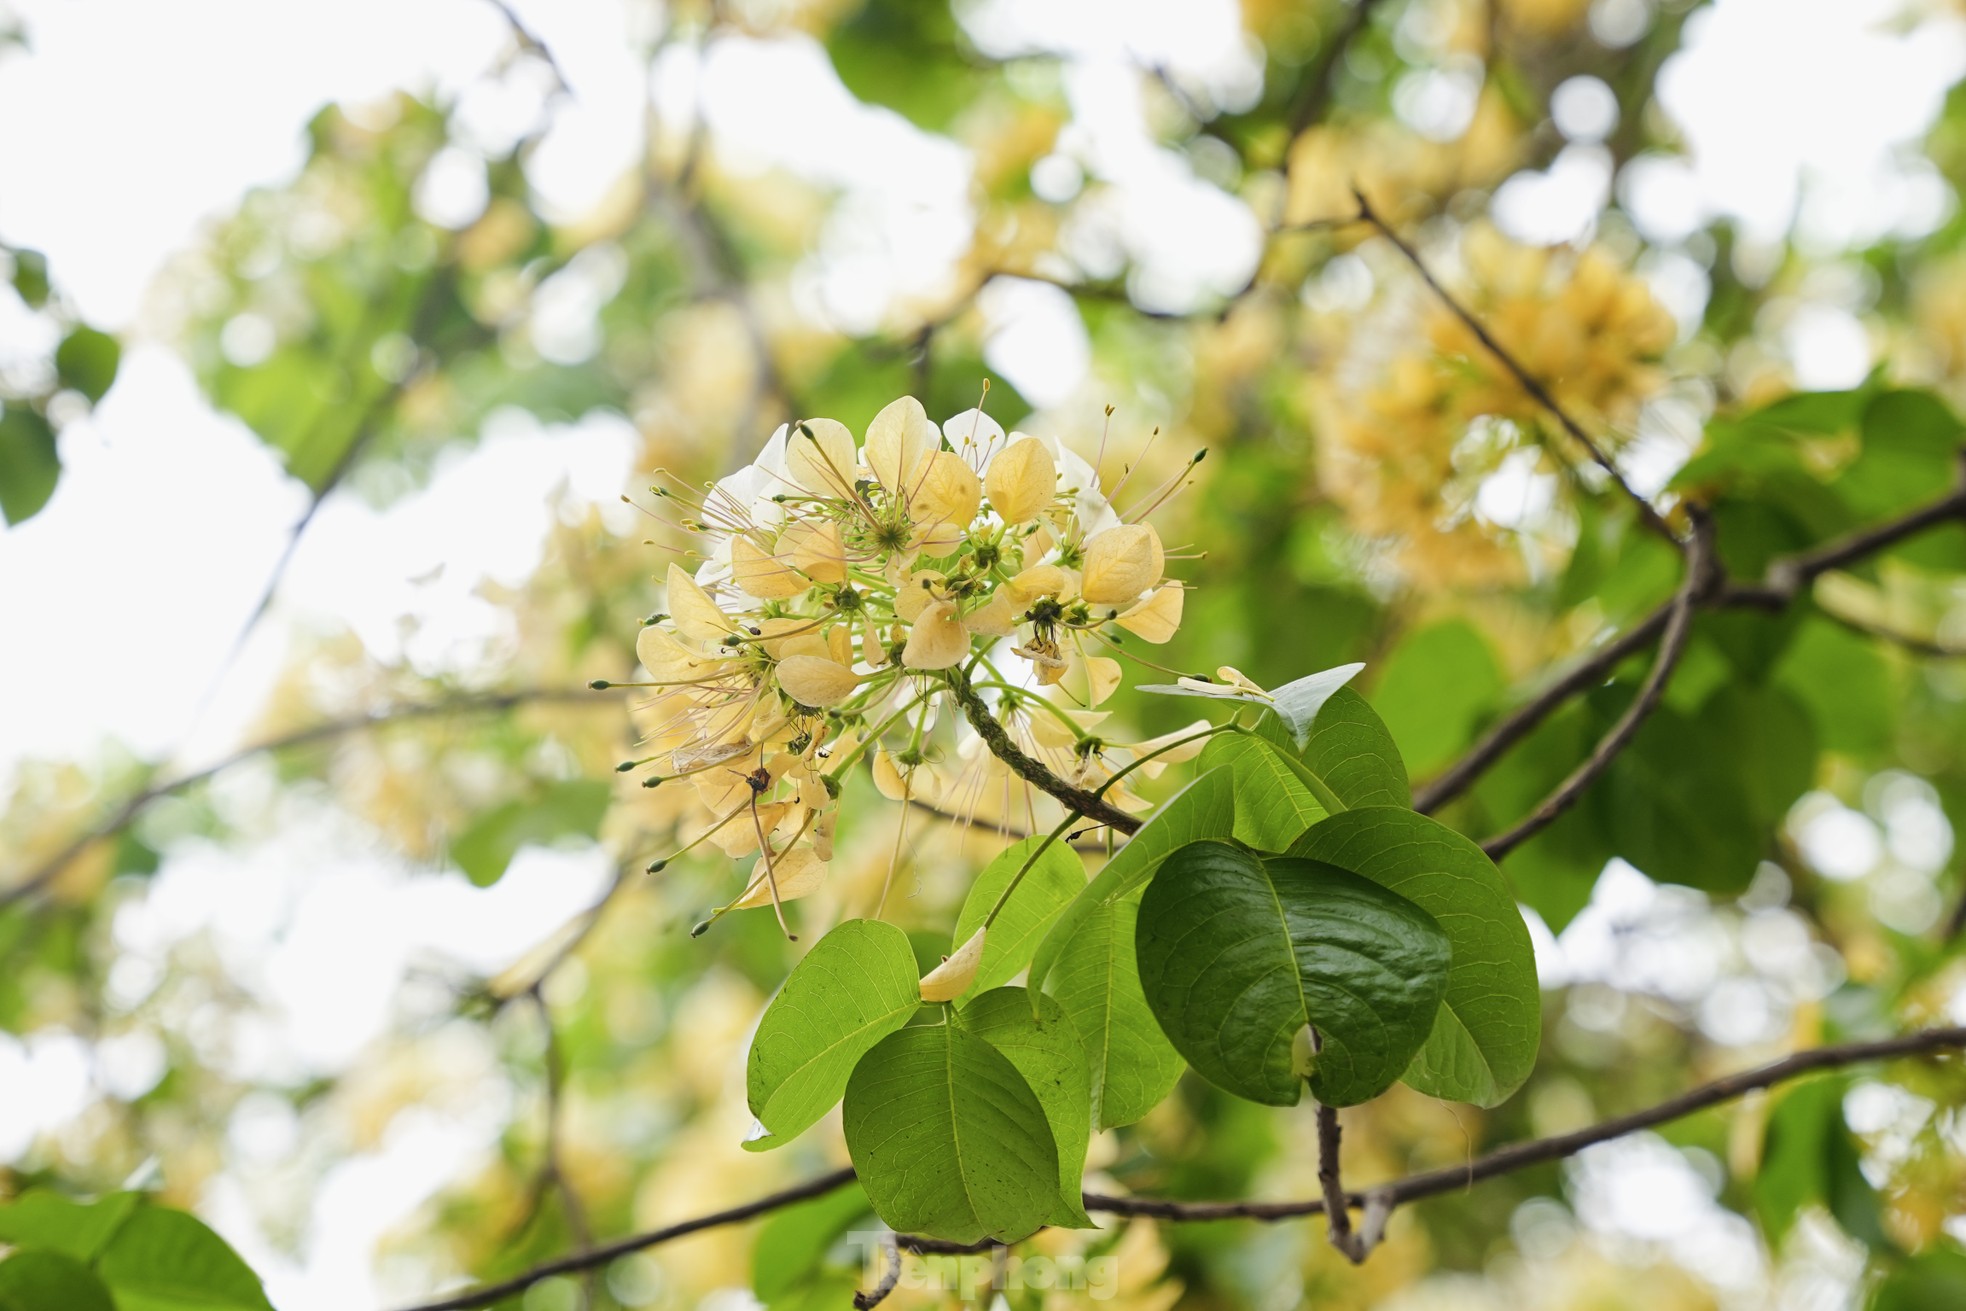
1047 1051
1047 888
43 1280
1238 954
31 277
1931 1281
857 985
793 1242
77 1229
570 808
87 361
1206 808
1350 750
30 466
1273 806
948 1139
909 58
164 1260
1809 1156
1434 689
1098 985
1676 806
1485 1035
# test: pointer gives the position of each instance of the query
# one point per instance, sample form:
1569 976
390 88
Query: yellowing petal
1039 580
888 778
663 656
951 979
798 873
763 575
1156 618
899 440
1022 480
994 618
1048 730
815 681
815 550
914 594
937 640
1121 563
1102 677
944 490
820 457
692 611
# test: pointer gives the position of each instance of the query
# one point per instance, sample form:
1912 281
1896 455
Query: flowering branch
1528 381
1032 771
1377 1202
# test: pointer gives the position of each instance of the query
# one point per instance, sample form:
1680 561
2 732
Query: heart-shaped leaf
1239 954
1485 1035
857 985
948 1139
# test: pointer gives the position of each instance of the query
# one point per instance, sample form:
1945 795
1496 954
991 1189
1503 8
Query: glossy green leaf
1047 1051
1098 985
1057 876
87 361
857 985
1485 1035
164 1260
30 466
1238 954
1206 808
77 1229
42 1280
948 1139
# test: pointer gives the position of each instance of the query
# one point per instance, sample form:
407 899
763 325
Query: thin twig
1338 1215
868 1299
532 45
1528 381
1781 586
124 815
1378 1200
1679 628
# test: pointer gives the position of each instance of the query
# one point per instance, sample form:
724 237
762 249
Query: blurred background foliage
1769 866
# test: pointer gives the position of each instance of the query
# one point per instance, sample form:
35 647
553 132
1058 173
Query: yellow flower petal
820 457
763 575
915 593
1121 563
899 440
815 550
1022 480
951 979
1039 580
889 781
1156 618
937 639
944 490
692 611
665 657
815 681
994 618
1102 677
1048 730
799 873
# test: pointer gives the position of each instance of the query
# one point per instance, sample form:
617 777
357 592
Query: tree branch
1528 381
1089 804
1337 1213
1679 627
1315 99
1378 1201
124 815
1781 586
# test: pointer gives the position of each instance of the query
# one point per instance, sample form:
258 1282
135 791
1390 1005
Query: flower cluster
1417 421
844 586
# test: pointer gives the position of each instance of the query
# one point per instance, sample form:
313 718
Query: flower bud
951 979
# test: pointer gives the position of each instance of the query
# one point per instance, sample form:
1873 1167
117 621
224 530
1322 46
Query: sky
124 599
